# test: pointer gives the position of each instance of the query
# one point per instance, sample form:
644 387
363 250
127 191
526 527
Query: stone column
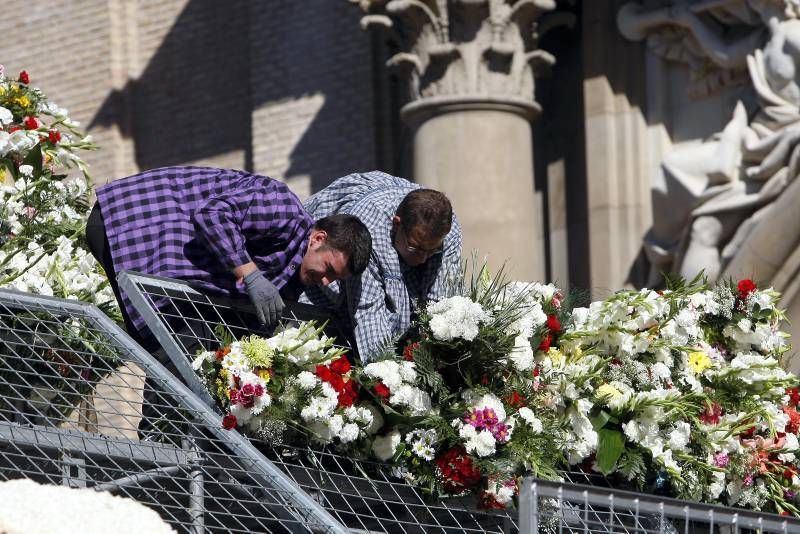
470 69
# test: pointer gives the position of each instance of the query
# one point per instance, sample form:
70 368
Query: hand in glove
265 297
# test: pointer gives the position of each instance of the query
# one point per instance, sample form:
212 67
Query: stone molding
463 52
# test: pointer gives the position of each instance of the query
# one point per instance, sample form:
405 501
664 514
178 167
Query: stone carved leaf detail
499 60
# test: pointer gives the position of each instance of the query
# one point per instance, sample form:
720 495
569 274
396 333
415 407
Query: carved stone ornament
464 52
712 37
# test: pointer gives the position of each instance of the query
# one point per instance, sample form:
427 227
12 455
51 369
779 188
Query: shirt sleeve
372 319
258 210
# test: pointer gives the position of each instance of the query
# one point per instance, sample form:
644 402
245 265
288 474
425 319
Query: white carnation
384 447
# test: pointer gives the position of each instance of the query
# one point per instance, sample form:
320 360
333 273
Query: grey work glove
265 297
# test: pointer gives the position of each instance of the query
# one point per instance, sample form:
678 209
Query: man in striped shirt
416 252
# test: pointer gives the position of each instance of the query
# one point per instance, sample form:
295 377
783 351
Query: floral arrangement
42 220
43 210
679 392
682 392
293 385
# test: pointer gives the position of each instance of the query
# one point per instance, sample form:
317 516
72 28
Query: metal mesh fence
362 495
70 403
552 507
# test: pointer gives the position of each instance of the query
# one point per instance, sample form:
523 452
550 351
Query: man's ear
319 236
396 221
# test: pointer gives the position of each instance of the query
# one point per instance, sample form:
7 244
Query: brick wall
277 86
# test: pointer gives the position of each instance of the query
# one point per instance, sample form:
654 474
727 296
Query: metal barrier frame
583 499
74 445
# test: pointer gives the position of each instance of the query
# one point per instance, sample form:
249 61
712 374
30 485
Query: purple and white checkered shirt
197 223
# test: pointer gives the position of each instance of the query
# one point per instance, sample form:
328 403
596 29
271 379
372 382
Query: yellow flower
555 355
699 361
608 392
22 101
575 353
264 374
258 351
2 90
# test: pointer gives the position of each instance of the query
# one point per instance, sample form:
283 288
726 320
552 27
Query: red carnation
24 78
545 344
347 395
323 372
247 395
229 421
336 381
712 414
458 473
381 390
54 136
515 399
489 502
408 352
553 324
340 365
30 123
745 287
12 129
793 426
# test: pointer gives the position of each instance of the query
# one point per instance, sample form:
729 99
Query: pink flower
247 395
721 459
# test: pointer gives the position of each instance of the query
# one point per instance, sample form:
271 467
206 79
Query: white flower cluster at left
69 271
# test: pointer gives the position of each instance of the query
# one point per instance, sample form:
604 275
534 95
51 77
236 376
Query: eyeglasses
418 250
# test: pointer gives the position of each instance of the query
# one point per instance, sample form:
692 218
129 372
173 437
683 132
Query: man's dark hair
347 234
428 208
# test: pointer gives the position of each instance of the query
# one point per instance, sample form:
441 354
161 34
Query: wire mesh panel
363 495
70 403
552 507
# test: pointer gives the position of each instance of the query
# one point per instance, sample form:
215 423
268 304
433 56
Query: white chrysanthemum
791 443
384 447
387 371
307 380
679 437
408 372
481 444
456 317
205 356
527 415
6 117
349 433
522 355
417 400
717 486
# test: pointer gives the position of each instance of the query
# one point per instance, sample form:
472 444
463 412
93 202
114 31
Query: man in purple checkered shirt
228 232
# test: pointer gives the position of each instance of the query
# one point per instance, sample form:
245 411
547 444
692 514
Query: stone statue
707 198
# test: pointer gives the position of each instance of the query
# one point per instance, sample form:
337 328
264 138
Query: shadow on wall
220 61
192 100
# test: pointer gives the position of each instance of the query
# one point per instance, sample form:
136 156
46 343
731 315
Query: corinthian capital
462 51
